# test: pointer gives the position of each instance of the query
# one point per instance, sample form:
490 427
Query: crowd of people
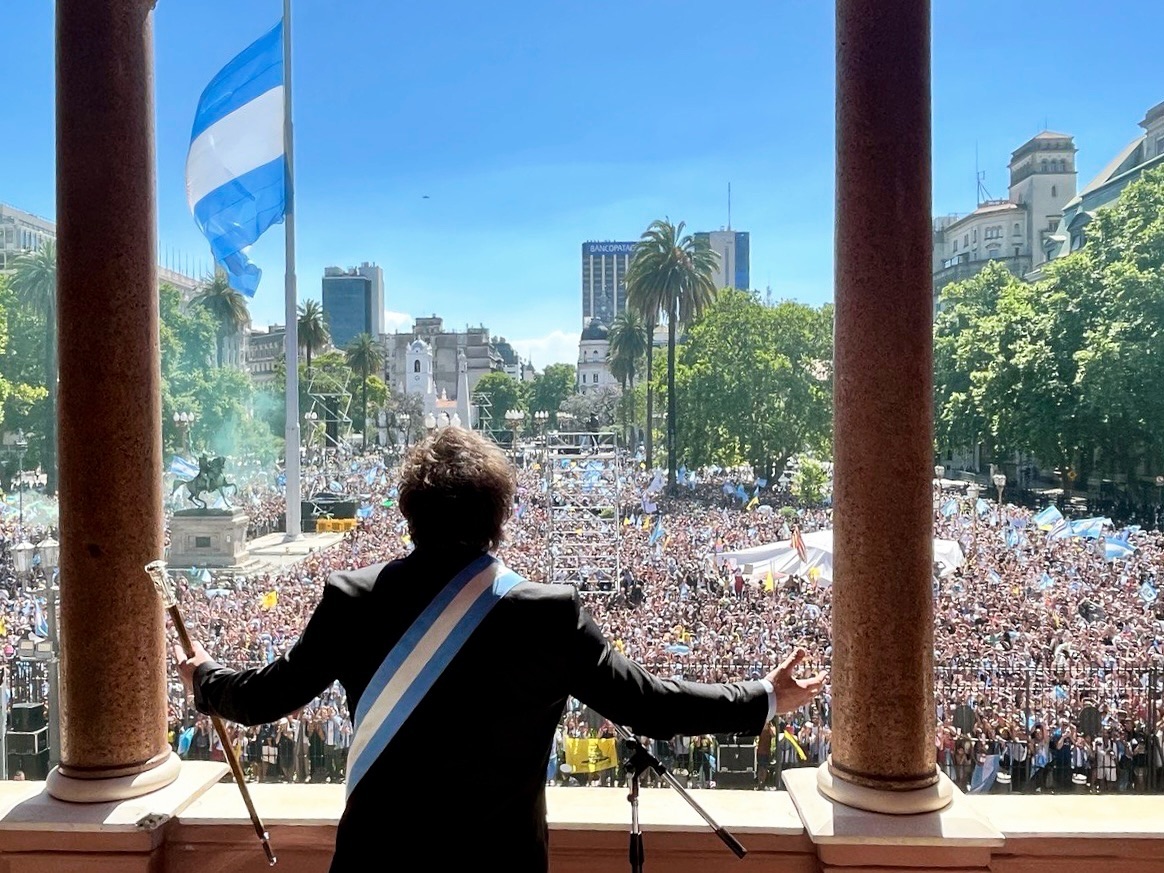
1049 654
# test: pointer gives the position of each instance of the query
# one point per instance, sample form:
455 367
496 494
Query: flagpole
291 336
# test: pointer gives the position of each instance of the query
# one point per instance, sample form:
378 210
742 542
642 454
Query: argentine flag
182 467
236 183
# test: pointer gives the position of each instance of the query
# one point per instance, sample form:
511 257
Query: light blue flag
1114 550
657 533
1047 518
950 507
42 629
1089 528
236 174
994 577
982 507
1045 582
1061 530
1148 593
982 779
183 468
761 483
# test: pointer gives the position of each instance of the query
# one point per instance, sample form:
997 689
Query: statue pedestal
208 538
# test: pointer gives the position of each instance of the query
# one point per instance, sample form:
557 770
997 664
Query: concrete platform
272 551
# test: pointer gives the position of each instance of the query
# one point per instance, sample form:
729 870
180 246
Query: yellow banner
591 756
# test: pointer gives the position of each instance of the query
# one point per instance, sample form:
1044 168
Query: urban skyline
495 239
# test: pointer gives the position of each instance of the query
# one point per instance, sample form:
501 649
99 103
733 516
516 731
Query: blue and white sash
420 656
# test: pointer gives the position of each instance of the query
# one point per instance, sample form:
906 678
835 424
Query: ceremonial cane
161 579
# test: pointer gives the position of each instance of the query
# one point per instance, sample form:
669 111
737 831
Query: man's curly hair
456 488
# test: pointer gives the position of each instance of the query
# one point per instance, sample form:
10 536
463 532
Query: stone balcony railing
199 825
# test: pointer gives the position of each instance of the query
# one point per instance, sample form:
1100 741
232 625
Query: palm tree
35 285
313 332
365 357
226 306
670 275
628 344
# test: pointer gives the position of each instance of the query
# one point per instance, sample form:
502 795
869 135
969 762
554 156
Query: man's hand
793 693
186 665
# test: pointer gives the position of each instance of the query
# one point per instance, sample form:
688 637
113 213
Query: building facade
604 266
22 232
1142 153
445 348
593 349
1014 230
734 250
264 351
353 302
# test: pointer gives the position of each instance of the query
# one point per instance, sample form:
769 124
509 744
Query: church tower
418 375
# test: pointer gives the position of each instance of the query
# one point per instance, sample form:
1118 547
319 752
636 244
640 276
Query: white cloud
556 347
395 322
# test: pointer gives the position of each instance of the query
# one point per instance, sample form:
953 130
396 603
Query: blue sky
534 126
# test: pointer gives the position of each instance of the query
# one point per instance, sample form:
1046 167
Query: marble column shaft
113 662
882 673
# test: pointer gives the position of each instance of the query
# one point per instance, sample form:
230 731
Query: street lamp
999 480
455 421
184 421
972 493
21 448
514 418
430 423
939 474
22 561
442 421
405 420
50 554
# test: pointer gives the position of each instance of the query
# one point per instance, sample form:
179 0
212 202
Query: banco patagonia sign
607 248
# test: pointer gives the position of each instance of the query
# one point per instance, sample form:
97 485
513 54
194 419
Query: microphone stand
642 761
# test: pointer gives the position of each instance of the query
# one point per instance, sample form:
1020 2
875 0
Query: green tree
671 274
550 389
628 345
35 285
313 333
809 481
755 383
227 307
365 357
504 393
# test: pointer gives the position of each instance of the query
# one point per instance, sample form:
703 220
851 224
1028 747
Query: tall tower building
604 266
353 302
732 246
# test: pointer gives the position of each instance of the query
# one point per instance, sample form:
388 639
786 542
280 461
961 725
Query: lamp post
514 418
184 421
50 553
443 421
972 493
22 561
540 418
999 480
430 423
405 420
1159 497
455 420
939 474
21 448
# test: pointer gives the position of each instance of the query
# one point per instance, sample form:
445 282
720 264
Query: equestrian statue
210 478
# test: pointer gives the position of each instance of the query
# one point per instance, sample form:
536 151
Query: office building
604 266
1013 231
264 352
353 302
733 247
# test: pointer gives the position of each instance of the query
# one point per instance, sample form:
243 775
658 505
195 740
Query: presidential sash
417 660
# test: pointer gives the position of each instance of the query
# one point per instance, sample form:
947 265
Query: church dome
596 330
418 347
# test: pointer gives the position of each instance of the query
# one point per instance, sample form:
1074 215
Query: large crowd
1049 654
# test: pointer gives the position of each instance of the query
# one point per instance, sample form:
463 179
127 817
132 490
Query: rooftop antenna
729 227
981 194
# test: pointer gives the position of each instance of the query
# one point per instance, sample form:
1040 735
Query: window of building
1054 190
955 245
975 234
1017 251
1043 165
966 240
202 542
416 366
1018 229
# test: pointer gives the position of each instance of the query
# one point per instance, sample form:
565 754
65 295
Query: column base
929 799
74 790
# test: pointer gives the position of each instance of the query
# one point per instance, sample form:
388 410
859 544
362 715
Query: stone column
113 661
882 674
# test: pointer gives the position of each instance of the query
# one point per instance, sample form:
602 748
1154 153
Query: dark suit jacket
464 779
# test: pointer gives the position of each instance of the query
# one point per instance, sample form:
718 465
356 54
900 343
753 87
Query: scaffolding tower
583 535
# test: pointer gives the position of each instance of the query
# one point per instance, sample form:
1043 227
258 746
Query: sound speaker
35 767
736 758
731 779
28 742
28 717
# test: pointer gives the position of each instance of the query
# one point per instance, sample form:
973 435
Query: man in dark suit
511 680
